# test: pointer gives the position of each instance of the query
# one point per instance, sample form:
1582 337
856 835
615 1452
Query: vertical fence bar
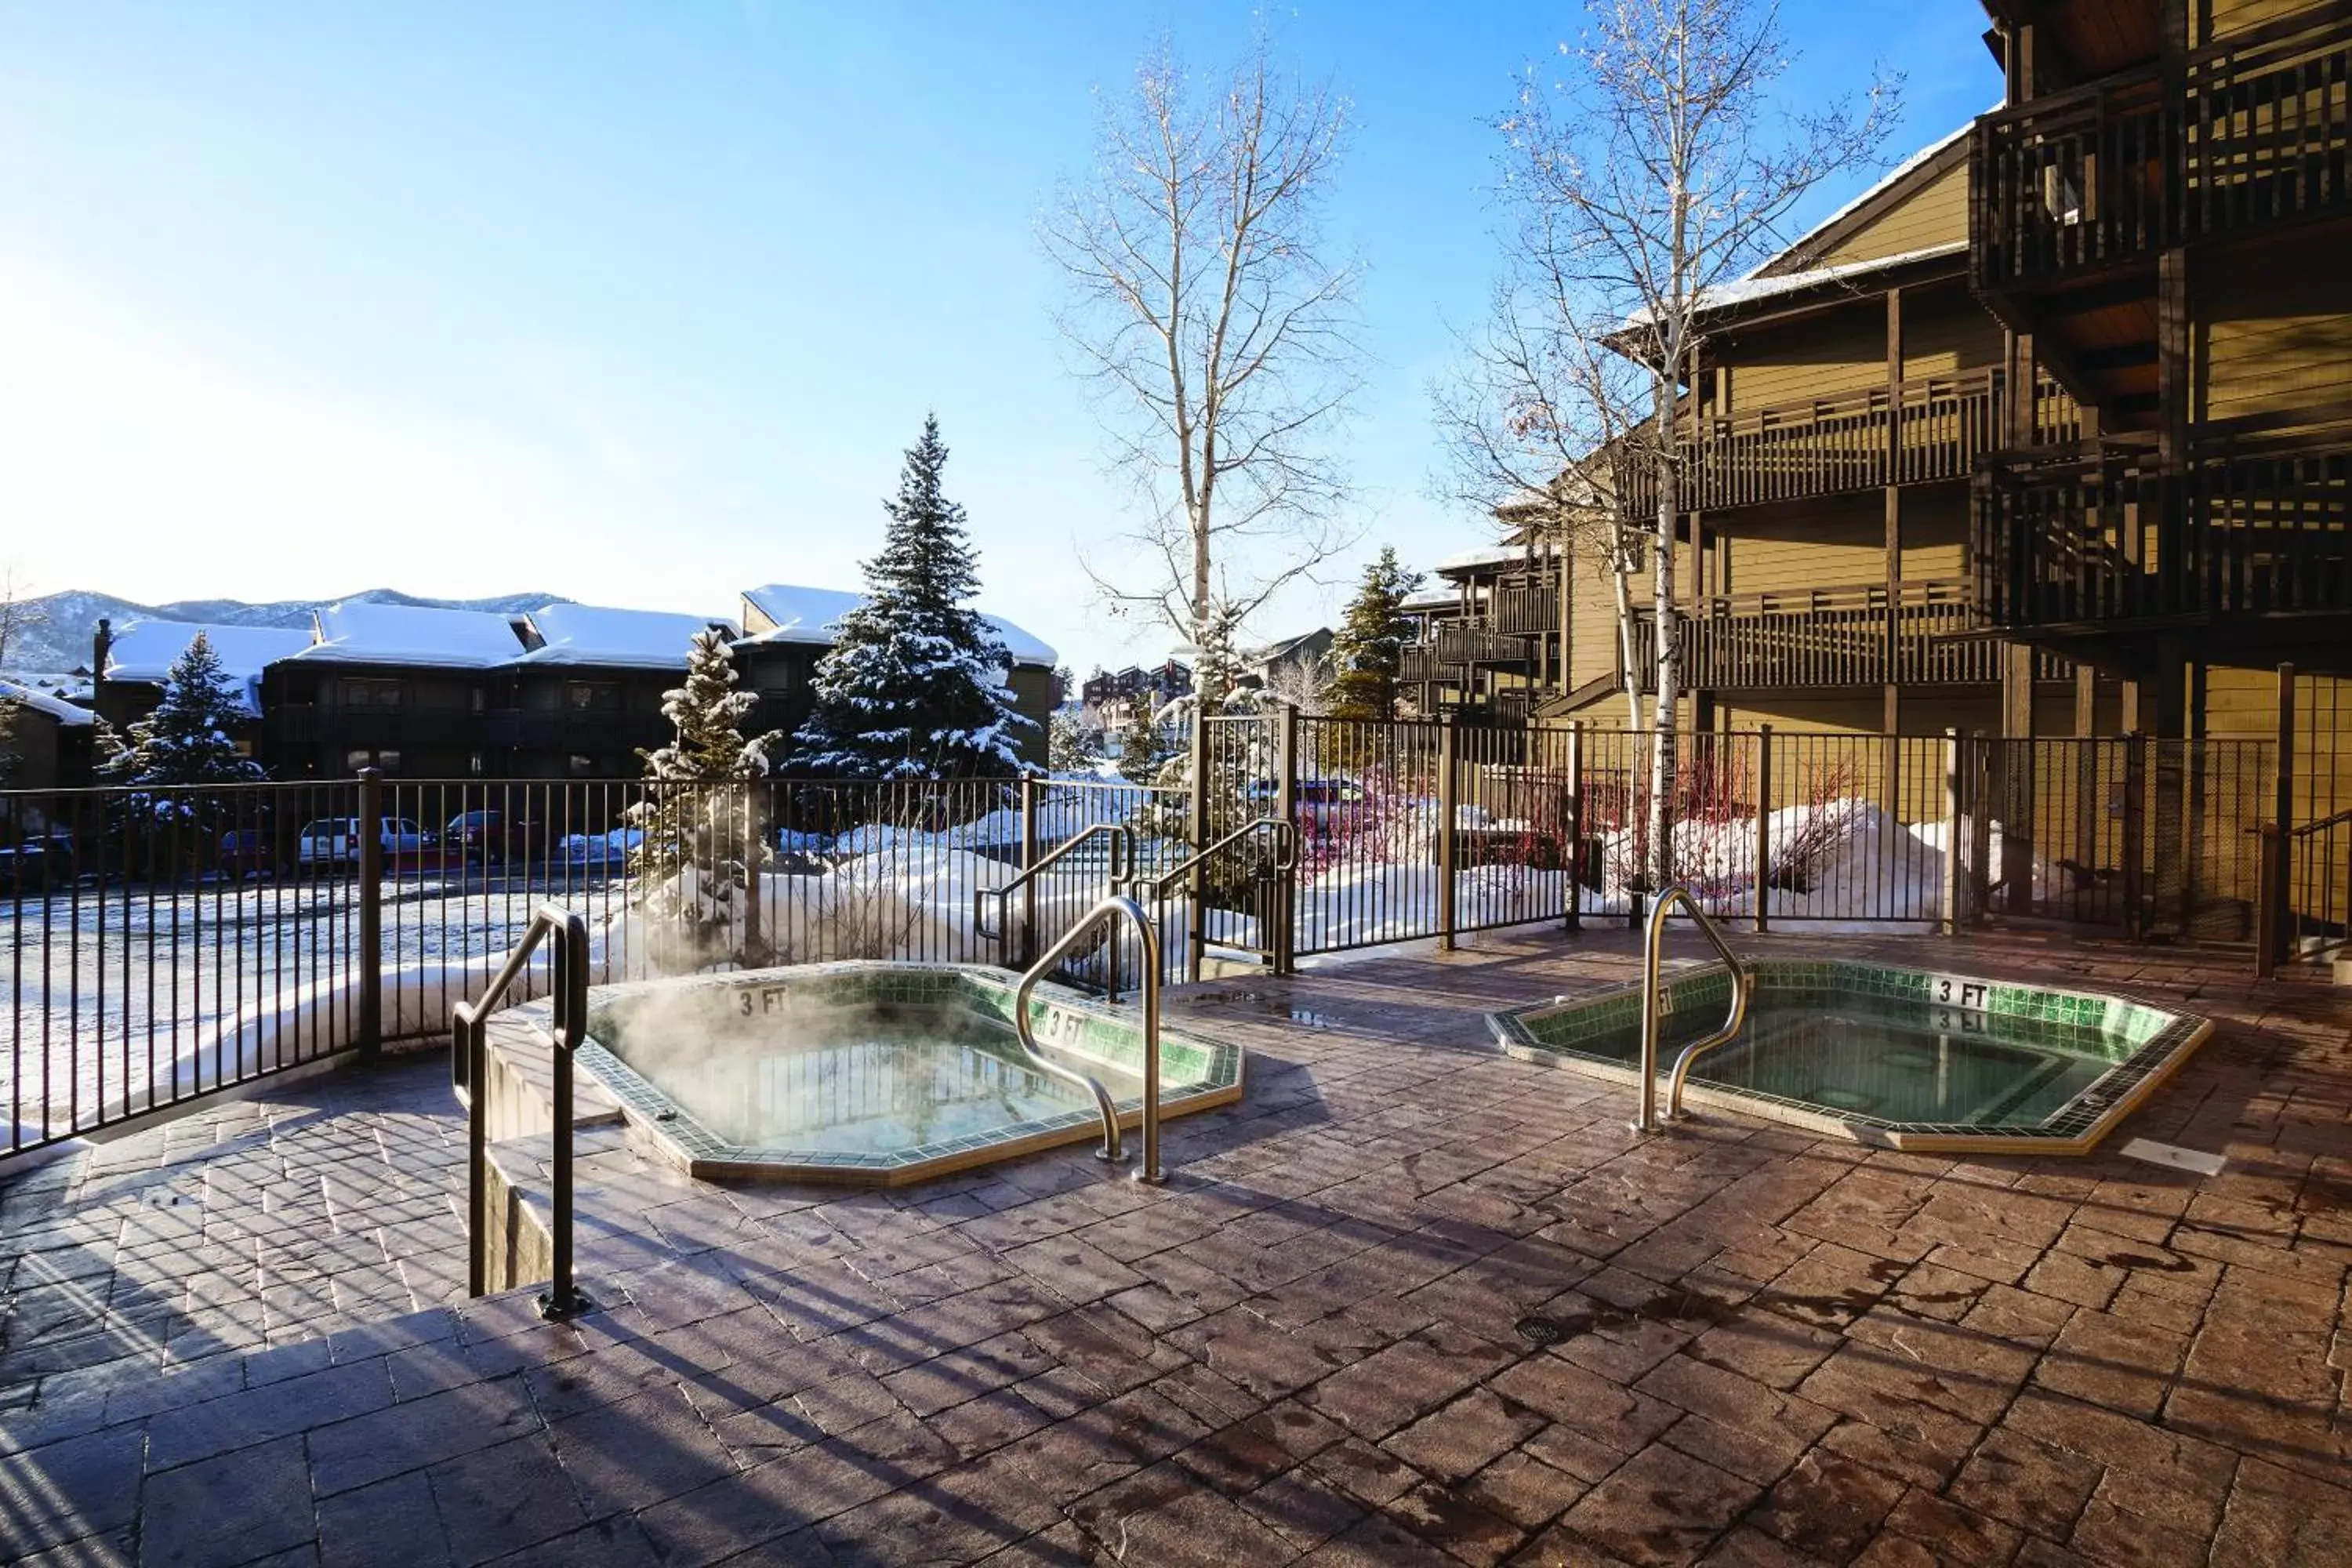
1197 886
1285 805
1449 742
2135 855
1763 876
2281 853
1028 948
1573 860
1954 823
370 832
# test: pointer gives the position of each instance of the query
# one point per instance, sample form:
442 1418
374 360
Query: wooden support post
1977 776
2088 748
2168 874
2282 856
2135 834
1763 828
1449 753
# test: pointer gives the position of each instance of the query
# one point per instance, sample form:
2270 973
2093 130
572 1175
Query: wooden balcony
1526 611
1421 667
2076 185
1937 428
1923 634
2098 537
1481 645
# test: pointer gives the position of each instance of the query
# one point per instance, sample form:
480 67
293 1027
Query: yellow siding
2223 17
1822 552
2274 338
1819 357
1938 213
1945 336
1592 615
1935 536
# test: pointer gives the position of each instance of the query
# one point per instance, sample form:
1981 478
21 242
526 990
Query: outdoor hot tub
874 1072
1897 1057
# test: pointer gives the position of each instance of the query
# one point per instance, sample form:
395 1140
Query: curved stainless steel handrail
1122 867
1659 912
1118 904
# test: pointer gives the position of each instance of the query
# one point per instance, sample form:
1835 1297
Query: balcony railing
1798 451
2095 537
1479 645
1920 635
1420 666
2104 176
1527 611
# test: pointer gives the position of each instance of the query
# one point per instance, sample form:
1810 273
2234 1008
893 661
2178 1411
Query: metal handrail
1654 940
1117 904
1122 867
1286 855
469 1059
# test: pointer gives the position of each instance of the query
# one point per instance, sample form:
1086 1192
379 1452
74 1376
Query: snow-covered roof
356 632
1893 177
1495 555
806 614
40 701
596 634
1753 286
1431 599
146 650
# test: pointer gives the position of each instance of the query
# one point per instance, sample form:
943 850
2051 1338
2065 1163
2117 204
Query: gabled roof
598 634
355 632
146 650
1899 184
46 702
798 613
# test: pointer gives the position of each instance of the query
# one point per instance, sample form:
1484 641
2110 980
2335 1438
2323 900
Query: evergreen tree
185 741
911 687
1370 648
1144 749
1217 662
692 869
1073 746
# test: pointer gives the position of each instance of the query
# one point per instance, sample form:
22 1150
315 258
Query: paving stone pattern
1773 1349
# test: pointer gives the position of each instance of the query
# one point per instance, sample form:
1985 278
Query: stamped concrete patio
1779 1349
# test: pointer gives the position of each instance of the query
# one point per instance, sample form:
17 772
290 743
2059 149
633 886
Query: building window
359 693
593 697
583 767
474 764
378 758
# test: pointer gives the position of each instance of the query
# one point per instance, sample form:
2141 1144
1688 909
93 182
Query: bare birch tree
1204 303
1654 171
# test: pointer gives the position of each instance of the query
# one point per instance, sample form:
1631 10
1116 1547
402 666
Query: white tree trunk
1668 655
1629 643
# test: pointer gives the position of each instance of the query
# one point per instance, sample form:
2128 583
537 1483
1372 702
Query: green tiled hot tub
1899 1057
871 1072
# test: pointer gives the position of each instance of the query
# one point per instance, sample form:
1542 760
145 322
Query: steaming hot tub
874 1073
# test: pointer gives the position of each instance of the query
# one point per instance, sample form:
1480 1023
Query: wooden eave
1834 293
1809 249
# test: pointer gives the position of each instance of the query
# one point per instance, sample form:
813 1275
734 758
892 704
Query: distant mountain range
60 641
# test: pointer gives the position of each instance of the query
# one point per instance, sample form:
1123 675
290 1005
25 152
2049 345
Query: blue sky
639 304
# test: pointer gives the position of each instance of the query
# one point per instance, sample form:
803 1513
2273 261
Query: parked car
335 840
41 864
601 851
248 852
1321 802
490 837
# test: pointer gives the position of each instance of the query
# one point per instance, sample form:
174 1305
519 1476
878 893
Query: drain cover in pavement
1540 1330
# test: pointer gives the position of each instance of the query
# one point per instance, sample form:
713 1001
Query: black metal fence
163 944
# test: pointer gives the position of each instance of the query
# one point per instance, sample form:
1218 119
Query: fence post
1197 886
2281 912
1286 807
2267 864
370 897
2134 832
1955 814
1576 825
1028 858
1978 775
755 855
1449 747
1763 827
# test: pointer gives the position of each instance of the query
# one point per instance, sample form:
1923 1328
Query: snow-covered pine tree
186 741
1369 650
692 870
1144 749
912 687
1072 744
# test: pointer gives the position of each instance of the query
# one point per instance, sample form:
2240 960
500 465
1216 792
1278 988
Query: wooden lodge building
2047 435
